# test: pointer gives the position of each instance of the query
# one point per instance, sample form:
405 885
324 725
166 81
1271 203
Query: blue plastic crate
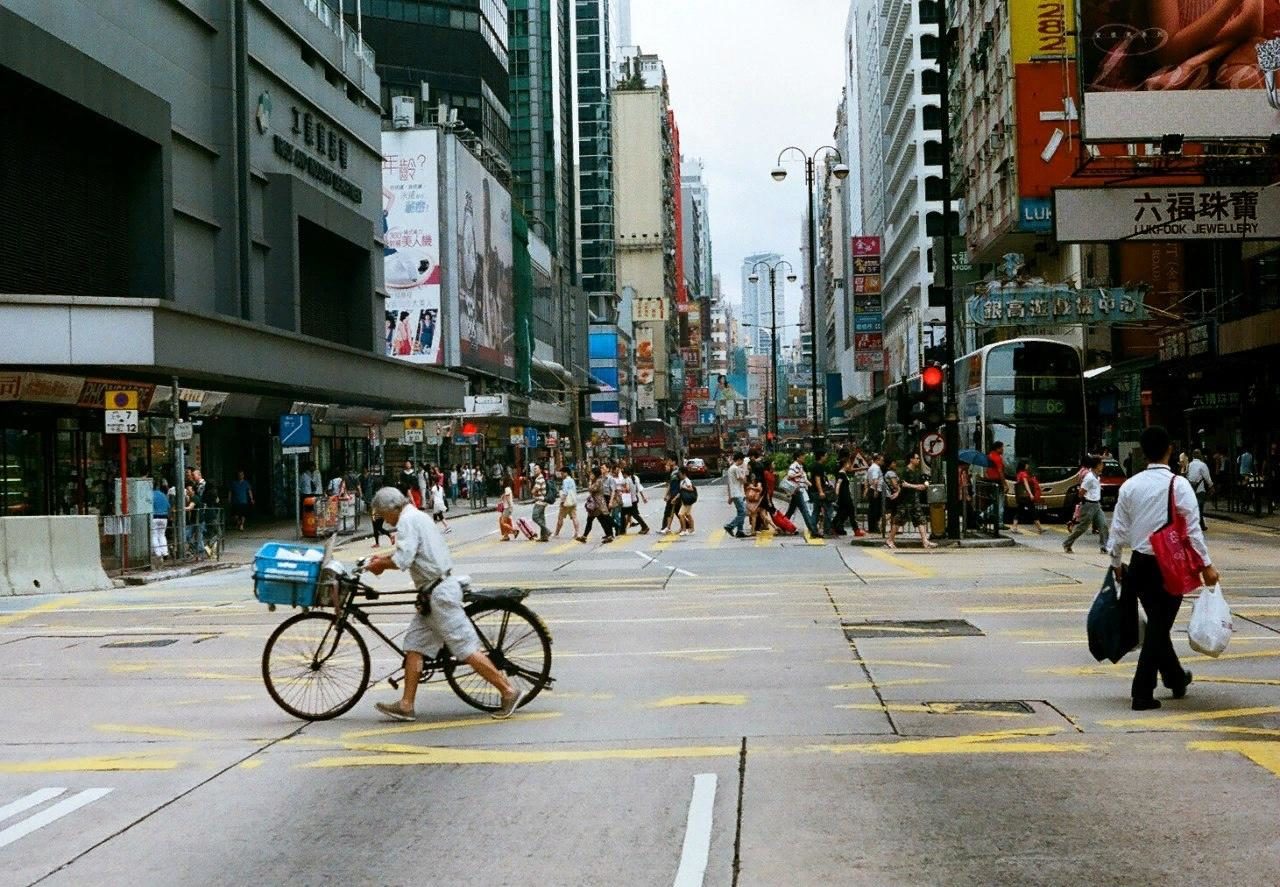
287 574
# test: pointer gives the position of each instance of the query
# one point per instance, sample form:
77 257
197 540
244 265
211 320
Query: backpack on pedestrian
553 491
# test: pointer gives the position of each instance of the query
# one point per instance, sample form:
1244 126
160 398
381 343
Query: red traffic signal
931 377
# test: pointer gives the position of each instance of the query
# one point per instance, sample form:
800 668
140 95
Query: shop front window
22 476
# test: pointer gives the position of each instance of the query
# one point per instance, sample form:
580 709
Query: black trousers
632 512
875 510
1158 656
606 524
668 511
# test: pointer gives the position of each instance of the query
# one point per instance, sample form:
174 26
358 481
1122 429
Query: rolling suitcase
784 524
526 526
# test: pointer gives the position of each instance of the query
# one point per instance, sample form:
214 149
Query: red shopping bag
1180 563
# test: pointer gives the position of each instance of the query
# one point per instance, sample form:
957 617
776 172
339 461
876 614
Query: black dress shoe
1182 691
1145 704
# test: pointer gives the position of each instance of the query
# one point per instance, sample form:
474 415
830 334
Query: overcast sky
748 78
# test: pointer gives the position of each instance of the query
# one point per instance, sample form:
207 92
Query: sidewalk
240 547
1265 522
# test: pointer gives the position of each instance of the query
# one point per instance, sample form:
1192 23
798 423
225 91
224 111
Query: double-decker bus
649 444
1028 393
704 442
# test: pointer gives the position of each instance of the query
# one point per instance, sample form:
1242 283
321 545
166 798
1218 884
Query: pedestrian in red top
995 474
1027 493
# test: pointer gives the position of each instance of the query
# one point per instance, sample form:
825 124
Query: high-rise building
645 175
899 145
761 310
459 53
694 199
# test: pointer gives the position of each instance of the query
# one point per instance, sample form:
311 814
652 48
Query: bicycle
316 665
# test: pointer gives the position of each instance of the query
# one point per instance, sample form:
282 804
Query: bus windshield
1035 405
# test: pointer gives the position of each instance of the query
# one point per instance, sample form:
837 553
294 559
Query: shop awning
156 340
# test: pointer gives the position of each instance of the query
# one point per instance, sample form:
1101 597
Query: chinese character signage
643 309
1042 30
1037 305
1235 212
411 246
868 305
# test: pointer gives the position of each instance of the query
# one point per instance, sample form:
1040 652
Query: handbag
688 497
1113 622
1180 564
592 505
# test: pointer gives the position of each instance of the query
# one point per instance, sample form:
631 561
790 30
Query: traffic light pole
951 428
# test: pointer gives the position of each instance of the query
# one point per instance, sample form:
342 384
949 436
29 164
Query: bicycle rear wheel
315 666
521 649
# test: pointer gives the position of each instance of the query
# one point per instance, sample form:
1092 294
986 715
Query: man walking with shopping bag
1147 505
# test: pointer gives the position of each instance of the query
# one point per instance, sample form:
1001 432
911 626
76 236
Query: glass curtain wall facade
595 153
458 48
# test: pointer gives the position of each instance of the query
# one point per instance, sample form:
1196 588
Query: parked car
697 468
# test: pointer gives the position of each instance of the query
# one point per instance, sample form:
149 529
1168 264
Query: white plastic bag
1210 628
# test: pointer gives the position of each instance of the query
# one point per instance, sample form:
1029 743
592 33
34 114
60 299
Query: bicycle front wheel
520 647
315 666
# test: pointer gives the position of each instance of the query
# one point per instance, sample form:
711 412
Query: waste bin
937 496
309 517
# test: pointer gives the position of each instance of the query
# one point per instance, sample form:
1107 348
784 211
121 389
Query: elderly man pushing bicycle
422 551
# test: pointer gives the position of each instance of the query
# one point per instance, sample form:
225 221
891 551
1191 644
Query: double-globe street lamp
754 277
841 171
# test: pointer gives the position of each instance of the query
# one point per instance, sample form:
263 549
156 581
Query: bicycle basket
287 574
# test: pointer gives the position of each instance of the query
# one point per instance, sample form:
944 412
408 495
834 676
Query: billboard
1234 212
1042 29
411 246
1047 134
1149 69
868 305
486 304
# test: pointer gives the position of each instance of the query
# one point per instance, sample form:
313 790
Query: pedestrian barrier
43 555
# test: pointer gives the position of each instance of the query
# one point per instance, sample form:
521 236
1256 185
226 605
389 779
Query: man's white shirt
1143 507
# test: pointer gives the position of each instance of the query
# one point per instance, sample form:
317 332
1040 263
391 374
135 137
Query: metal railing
141 541
986 509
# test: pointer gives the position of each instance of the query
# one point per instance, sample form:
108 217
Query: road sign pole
297 498
179 479
124 498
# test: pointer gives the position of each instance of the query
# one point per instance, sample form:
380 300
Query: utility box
937 497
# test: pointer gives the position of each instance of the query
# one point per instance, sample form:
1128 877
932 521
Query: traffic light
931 395
905 403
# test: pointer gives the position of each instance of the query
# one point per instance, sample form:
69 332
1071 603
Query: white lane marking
697 832
648 560
50 814
35 799
686 573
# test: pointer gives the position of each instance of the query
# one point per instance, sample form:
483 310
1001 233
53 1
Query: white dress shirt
875 479
1091 487
1143 507
420 548
1198 476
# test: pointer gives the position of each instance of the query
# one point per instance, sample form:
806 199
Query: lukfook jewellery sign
1229 212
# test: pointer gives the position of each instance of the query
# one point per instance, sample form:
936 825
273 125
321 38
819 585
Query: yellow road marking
219 676
888 558
763 539
678 701
167 732
1193 717
1000 742
899 682
716 537
563 547
813 540
37 610
412 755
1270 682
665 541
477 721
95 763
1264 754
251 764
904 663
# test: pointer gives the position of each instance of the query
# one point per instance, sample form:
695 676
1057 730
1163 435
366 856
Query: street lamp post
754 277
841 172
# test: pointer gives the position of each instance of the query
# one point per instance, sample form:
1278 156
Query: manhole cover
910 628
158 642
980 705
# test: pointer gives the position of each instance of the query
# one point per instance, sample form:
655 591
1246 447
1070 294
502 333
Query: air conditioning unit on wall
403 111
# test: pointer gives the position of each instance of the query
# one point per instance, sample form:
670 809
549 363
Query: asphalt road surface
756 712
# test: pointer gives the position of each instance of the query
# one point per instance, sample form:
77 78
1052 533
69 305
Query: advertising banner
1235 212
1042 29
1048 142
483 252
1186 68
411 245
868 305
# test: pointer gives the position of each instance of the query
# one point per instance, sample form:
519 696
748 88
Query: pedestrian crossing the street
493 547
44 812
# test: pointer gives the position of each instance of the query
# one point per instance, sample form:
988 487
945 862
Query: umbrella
975 457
